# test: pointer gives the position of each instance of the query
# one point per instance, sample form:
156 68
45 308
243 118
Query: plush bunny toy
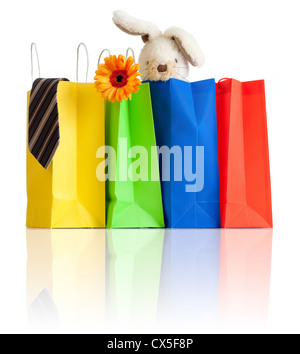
165 55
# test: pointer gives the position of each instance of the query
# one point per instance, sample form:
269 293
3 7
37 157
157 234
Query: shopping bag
189 286
68 193
133 191
133 275
66 277
245 274
186 132
243 155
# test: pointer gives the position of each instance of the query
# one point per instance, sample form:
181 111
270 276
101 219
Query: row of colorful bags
178 155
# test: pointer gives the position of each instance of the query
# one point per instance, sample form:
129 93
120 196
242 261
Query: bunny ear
135 27
187 45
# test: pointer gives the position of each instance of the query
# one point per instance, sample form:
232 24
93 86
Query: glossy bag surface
186 123
133 196
243 155
68 194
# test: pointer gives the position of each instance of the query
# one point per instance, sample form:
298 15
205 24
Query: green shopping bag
133 191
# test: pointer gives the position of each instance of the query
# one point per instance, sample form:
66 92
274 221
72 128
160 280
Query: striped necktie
43 126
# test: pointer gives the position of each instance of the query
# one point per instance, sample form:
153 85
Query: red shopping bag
243 155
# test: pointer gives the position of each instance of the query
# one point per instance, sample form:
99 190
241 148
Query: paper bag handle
34 46
107 50
87 59
132 52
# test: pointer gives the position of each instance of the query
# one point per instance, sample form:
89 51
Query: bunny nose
162 68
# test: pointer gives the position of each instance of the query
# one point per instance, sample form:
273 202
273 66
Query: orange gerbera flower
117 79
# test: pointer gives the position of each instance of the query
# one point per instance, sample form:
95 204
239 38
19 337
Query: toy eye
176 61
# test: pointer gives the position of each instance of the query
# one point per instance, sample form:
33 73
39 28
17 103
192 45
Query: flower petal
121 62
104 70
133 69
111 63
112 93
129 63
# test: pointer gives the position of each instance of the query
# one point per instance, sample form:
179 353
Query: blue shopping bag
186 132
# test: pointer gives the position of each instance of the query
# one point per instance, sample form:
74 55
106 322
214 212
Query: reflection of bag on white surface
190 276
67 266
43 311
133 274
245 276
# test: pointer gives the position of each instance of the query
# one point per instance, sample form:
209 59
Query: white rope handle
132 52
100 56
33 46
88 61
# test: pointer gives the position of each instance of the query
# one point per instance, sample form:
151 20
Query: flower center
119 78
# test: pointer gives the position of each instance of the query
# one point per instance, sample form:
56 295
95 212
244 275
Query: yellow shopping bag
68 194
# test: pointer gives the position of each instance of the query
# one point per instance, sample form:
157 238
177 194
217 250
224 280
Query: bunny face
165 55
162 60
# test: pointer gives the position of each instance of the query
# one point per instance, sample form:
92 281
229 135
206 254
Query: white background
246 40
